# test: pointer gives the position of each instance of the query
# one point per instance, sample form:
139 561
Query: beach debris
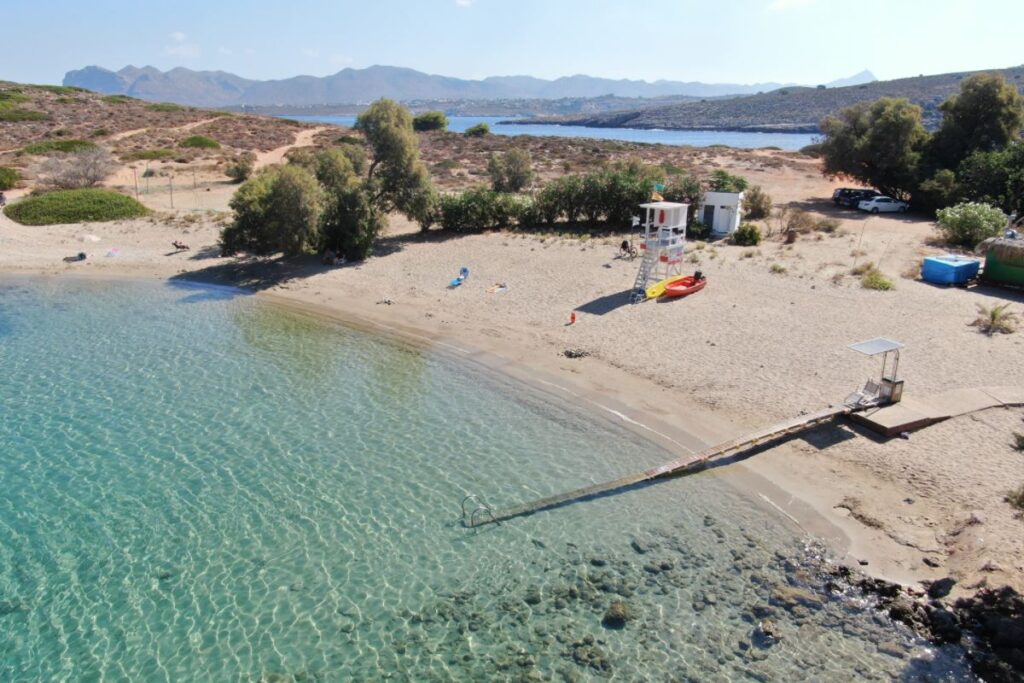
575 353
80 256
386 302
114 252
617 616
497 288
572 318
89 238
179 245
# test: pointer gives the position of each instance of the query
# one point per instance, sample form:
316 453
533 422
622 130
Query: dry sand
754 347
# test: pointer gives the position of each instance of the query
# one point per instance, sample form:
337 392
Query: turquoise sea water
199 486
693 138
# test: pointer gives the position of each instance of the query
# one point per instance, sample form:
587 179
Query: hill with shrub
789 109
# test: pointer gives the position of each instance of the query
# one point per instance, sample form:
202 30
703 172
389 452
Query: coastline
587 385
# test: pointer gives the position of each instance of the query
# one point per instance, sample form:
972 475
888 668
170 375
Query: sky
714 41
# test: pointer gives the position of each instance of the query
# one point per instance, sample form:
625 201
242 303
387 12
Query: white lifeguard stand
889 387
664 241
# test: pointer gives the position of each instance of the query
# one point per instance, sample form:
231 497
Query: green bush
15 115
12 97
59 146
479 130
723 181
74 206
60 89
747 235
511 171
165 107
480 209
873 278
278 210
431 120
148 154
698 231
199 142
757 203
241 168
8 178
117 99
969 223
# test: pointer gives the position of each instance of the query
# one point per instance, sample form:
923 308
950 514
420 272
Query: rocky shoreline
989 625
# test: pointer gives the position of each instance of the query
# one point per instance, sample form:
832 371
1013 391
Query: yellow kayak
658 288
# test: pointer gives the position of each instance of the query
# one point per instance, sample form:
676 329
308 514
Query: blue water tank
949 269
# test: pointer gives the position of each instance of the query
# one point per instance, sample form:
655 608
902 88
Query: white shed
721 211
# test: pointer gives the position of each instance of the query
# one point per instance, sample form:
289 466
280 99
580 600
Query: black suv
851 197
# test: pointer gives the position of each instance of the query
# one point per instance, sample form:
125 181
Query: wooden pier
669 469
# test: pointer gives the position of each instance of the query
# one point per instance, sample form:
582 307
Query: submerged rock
617 616
789 597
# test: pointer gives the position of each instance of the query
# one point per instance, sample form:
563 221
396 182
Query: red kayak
684 286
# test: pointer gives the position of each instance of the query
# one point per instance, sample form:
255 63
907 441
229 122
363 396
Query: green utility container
1004 262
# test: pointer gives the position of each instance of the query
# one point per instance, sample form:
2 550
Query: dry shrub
1015 497
996 319
74 171
863 268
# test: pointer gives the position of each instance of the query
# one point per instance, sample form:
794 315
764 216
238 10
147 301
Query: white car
883 204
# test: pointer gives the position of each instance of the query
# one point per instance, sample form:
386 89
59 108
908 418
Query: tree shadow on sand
256 274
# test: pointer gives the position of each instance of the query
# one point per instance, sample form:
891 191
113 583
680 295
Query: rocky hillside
360 86
39 120
789 109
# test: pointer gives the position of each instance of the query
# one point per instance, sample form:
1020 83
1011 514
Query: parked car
852 197
882 204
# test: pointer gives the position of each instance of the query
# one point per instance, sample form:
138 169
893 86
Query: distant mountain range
789 109
360 86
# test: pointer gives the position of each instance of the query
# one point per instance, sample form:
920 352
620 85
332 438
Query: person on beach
3 199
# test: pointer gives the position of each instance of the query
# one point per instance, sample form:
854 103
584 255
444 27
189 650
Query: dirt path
135 131
276 156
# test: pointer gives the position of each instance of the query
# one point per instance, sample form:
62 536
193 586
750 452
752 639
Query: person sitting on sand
180 246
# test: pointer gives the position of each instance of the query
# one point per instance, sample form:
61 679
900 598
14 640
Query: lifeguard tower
664 226
889 387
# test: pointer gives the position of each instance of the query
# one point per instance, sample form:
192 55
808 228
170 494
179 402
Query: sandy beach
765 341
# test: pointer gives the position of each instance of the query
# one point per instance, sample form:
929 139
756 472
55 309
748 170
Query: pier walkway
676 467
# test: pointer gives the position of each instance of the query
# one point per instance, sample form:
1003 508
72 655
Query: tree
431 120
877 143
995 178
278 210
723 181
86 168
351 222
969 223
987 115
479 130
511 171
396 179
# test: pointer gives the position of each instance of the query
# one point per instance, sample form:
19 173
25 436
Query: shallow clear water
201 486
693 138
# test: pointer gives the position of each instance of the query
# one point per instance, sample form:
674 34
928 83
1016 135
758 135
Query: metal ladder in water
470 519
639 292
